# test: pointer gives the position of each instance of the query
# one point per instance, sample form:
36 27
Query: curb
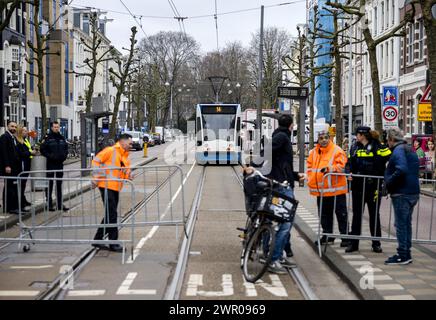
340 266
14 219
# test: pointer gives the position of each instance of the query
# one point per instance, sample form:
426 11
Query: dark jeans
283 234
52 175
110 202
338 205
373 200
403 210
10 195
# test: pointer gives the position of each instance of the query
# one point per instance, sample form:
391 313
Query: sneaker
277 268
115 248
324 240
351 248
287 263
397 260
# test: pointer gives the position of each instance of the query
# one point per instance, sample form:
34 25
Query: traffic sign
390 114
426 98
390 96
424 112
296 93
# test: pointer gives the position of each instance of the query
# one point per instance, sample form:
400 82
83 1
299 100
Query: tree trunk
372 52
337 84
430 30
312 114
113 127
40 66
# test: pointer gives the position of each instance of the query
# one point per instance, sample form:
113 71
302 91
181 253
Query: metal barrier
148 200
380 226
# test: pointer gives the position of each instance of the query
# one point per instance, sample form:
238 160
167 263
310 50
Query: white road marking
18 293
382 277
400 297
276 287
352 257
86 293
389 287
360 263
31 267
124 289
151 233
250 289
196 280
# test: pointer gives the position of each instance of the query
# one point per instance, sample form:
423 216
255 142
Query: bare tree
169 51
119 78
99 54
357 10
276 46
39 50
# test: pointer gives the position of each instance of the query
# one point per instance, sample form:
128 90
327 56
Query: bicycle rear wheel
258 253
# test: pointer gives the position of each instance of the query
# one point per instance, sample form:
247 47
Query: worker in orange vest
325 158
116 160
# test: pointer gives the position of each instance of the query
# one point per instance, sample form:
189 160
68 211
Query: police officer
367 157
55 148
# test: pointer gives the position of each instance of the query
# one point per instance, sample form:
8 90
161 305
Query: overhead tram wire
192 17
179 18
134 17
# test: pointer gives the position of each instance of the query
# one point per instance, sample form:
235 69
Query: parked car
137 139
157 138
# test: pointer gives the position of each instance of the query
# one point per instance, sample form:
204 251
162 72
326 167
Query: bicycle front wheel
258 253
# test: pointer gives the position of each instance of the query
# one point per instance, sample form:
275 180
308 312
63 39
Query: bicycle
266 207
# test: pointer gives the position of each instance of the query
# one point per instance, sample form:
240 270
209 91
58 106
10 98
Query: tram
218 129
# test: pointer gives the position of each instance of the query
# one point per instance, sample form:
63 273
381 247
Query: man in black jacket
282 170
55 148
10 167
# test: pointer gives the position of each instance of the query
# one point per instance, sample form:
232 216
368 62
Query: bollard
145 150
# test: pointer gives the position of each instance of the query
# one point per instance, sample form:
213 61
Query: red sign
426 98
390 114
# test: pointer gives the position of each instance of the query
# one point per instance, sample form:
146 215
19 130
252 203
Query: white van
137 138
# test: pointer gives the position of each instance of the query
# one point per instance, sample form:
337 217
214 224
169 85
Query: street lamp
167 84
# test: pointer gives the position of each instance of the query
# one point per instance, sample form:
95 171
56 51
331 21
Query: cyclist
282 170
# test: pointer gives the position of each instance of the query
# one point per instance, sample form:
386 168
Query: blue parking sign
390 96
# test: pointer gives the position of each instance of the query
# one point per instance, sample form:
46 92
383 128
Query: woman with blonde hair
26 154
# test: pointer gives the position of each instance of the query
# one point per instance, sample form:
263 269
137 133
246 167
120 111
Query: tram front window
218 126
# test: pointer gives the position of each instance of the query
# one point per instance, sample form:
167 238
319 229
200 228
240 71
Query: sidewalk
416 281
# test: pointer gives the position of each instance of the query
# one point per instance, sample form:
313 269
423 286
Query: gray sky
231 27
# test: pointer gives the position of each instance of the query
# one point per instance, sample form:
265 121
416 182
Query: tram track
55 290
295 273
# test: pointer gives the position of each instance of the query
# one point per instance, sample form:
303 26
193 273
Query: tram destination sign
296 93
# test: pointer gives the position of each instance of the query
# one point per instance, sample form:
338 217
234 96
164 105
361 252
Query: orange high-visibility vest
333 158
110 158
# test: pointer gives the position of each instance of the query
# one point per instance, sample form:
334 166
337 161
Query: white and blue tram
218 129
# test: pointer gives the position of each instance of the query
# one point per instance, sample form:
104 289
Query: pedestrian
417 146
402 183
116 156
26 154
282 169
345 145
368 157
55 148
10 167
326 158
430 159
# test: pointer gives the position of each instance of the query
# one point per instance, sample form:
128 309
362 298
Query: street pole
171 106
350 91
20 94
260 81
302 140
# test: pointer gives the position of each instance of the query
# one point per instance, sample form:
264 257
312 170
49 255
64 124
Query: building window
15 54
375 21
421 40
32 69
67 77
387 14
54 11
387 61
14 109
382 17
393 12
410 41
392 57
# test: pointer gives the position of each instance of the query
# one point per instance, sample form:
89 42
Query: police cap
363 130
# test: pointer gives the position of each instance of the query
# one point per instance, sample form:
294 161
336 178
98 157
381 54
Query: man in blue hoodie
402 182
